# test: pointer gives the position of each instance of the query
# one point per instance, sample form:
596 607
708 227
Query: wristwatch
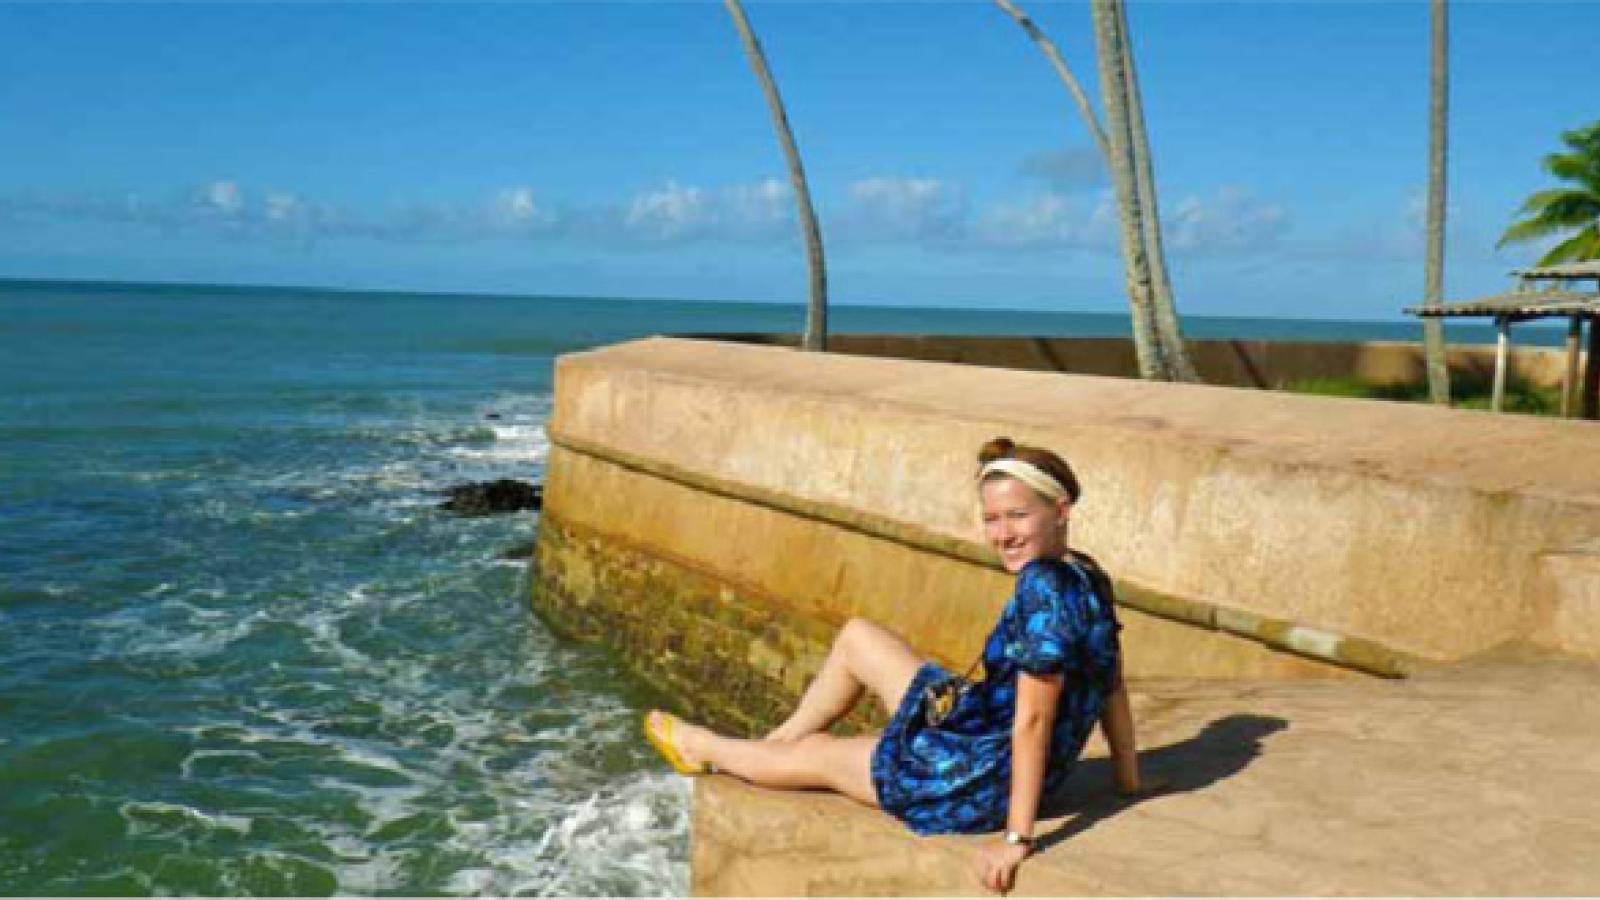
1017 839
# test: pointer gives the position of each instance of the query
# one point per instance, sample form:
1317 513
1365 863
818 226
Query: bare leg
813 761
865 656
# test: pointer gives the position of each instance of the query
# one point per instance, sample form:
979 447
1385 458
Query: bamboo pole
1501 351
1569 377
1591 374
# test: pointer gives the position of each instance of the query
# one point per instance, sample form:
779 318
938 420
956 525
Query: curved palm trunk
816 333
1090 120
1140 298
1169 330
1433 345
1113 95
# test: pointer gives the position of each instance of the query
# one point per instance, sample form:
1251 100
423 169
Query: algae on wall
725 656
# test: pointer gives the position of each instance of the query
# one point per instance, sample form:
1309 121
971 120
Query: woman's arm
1030 754
1116 721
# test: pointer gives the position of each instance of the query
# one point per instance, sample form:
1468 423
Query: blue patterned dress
956 777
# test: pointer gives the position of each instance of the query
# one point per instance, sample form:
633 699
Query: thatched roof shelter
1589 268
1517 305
1525 304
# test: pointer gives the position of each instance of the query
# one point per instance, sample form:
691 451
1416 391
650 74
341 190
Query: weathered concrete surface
1482 779
1433 531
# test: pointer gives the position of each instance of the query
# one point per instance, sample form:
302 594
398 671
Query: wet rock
520 551
486 498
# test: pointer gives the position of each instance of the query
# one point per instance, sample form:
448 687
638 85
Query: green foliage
1568 209
1351 386
1469 390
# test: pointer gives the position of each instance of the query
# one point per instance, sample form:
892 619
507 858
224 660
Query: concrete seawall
715 511
1229 363
1431 533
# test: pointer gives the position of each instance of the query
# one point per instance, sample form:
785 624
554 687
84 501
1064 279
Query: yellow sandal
662 740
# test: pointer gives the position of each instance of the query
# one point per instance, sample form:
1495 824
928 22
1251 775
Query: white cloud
766 204
220 196
927 213
1416 210
1230 221
1048 220
227 207
515 206
1400 235
903 209
672 213
282 207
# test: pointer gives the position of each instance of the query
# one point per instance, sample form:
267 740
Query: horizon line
238 287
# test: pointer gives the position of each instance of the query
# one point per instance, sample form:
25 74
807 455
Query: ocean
244 653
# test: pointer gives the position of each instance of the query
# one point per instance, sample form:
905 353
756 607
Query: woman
1049 671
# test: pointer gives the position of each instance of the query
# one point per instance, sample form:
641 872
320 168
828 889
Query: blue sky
625 149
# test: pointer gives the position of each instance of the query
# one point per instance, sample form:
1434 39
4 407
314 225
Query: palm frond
1585 140
1575 167
1575 209
1584 245
1529 230
1539 201
1558 210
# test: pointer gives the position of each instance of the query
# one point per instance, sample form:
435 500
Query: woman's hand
997 865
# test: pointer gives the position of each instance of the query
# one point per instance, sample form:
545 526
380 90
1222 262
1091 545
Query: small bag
941 699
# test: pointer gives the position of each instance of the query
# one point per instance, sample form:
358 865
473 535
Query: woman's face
1021 525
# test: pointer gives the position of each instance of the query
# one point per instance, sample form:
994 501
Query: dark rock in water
485 498
492 416
518 551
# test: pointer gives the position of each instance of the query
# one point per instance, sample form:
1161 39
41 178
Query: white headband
1027 473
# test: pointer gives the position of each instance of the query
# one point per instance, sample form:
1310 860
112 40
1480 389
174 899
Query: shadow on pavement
1221 749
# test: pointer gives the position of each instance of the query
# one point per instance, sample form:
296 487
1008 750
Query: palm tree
1560 210
1168 328
816 333
1048 47
1114 99
1433 347
1157 337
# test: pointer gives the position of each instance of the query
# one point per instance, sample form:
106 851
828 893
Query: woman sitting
971 753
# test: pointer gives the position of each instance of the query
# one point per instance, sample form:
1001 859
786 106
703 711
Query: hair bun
999 448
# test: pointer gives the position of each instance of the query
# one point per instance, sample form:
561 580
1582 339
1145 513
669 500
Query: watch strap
1018 839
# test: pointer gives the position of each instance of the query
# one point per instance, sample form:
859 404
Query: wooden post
1591 374
1569 378
1503 323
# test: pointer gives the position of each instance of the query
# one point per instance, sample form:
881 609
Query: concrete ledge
1474 781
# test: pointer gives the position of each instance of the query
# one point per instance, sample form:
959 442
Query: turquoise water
242 652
